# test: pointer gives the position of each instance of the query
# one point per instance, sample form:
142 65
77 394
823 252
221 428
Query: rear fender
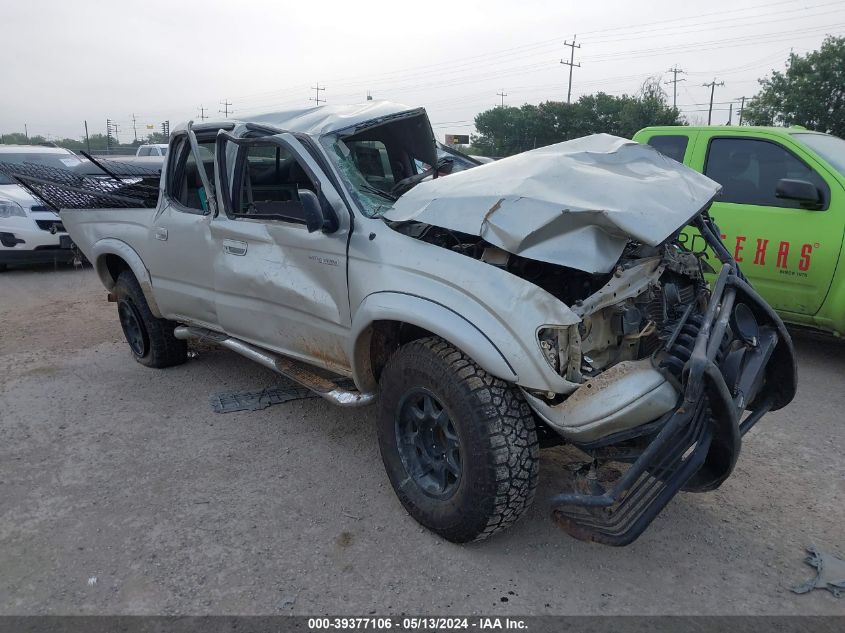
111 246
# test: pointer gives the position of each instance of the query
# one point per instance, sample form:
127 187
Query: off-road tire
499 451
161 348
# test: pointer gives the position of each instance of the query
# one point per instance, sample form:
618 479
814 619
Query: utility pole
741 109
26 131
202 114
571 63
730 113
111 134
674 81
712 85
317 90
502 94
87 140
369 96
134 129
225 110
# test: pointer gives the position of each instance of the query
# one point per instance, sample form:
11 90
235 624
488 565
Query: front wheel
150 338
459 446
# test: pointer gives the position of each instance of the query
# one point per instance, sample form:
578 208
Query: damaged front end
708 365
664 373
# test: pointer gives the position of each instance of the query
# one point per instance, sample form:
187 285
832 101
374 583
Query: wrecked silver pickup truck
540 299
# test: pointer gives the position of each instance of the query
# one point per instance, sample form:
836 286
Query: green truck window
672 146
749 169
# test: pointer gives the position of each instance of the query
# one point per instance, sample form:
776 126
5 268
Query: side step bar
295 370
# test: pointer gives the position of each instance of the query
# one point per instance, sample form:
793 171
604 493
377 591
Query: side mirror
801 190
317 218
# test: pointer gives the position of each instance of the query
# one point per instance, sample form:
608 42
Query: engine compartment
634 312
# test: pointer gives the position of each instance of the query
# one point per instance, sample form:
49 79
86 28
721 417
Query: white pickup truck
540 299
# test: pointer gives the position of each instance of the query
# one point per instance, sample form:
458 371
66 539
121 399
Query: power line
571 63
712 85
225 110
316 97
674 81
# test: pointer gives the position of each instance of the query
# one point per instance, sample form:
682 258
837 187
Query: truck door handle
234 247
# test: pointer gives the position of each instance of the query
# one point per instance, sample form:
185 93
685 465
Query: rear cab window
184 185
268 182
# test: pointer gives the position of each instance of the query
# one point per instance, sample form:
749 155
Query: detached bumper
738 364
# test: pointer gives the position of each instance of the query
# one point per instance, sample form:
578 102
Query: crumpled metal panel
575 203
325 119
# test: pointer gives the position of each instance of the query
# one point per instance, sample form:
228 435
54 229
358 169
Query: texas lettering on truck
781 212
546 298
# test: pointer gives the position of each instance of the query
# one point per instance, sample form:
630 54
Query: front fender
111 246
429 315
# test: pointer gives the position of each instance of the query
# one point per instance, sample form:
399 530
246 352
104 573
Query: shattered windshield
373 199
383 160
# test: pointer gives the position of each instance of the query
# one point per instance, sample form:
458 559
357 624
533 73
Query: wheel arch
111 257
386 320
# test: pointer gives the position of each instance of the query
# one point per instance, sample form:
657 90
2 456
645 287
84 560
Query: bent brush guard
699 442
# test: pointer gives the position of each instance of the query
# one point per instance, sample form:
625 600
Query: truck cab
781 211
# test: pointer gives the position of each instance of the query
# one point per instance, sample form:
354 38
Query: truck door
277 284
179 244
786 248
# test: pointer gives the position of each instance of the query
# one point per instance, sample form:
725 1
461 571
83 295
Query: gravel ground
121 492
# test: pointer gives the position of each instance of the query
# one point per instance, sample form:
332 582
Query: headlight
560 346
9 209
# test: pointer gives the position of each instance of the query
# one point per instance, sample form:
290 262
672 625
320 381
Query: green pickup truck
781 211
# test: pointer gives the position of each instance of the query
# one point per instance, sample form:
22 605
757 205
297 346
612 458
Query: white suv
31 232
155 149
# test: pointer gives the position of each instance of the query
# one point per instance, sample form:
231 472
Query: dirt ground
121 492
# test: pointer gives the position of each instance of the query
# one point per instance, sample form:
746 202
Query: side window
184 185
749 169
673 146
144 151
269 181
372 160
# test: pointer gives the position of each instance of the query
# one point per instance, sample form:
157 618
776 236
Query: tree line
97 142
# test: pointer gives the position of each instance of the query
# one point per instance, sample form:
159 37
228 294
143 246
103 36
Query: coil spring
677 356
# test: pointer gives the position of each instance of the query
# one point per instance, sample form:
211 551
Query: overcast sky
65 62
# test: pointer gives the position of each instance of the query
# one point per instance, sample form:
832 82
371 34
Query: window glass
162 151
269 184
673 146
829 147
183 179
372 161
749 169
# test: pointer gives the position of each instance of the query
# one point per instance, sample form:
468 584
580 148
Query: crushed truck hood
574 204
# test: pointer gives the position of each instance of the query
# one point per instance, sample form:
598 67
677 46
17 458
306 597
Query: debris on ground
92 581
830 573
229 401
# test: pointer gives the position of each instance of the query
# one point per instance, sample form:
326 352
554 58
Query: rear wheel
459 446
150 339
